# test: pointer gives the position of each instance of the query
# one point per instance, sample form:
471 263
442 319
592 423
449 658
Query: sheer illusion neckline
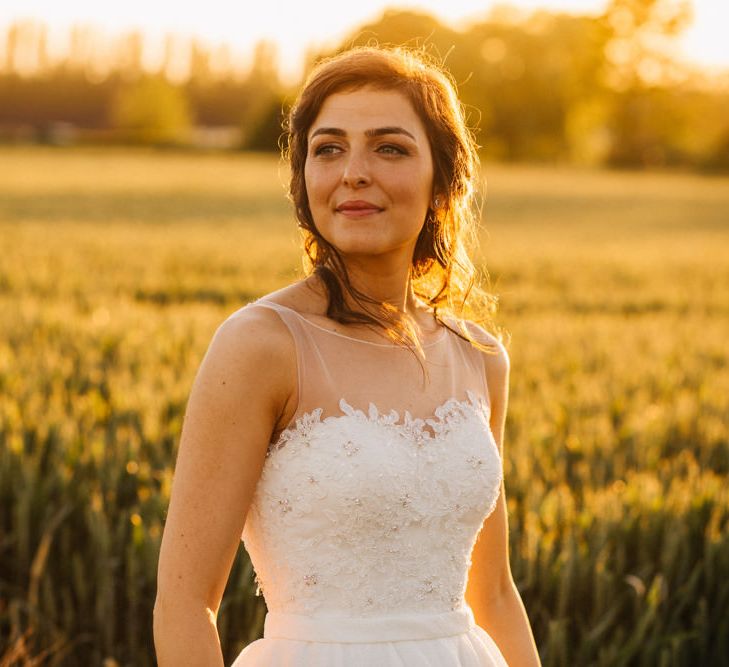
440 338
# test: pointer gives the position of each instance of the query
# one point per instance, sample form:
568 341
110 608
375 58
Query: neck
385 284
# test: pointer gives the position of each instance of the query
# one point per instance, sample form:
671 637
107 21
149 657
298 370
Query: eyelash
398 149
322 150
392 149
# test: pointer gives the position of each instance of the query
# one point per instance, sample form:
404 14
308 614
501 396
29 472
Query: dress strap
311 366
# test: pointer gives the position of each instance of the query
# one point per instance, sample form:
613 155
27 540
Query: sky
295 25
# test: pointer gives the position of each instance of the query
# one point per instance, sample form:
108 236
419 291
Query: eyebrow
376 132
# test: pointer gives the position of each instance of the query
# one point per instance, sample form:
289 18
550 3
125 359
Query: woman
346 427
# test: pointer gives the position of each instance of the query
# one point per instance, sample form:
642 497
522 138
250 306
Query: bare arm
491 592
236 399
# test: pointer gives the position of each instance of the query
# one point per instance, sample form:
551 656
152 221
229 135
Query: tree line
592 89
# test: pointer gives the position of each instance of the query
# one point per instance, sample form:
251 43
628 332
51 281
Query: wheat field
118 265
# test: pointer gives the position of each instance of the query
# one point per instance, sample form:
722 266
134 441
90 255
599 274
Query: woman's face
369 173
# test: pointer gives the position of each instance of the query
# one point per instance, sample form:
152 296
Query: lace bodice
369 513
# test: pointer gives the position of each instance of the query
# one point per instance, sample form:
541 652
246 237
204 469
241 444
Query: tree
260 111
151 110
644 115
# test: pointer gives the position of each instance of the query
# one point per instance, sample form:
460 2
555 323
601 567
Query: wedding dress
369 503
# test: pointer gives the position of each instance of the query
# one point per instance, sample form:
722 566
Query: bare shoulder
256 354
253 330
255 336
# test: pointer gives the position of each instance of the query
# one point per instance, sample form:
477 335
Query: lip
357 208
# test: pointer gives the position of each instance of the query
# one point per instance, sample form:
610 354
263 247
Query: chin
361 249
354 244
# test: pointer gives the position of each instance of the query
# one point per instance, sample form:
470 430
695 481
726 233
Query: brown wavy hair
442 273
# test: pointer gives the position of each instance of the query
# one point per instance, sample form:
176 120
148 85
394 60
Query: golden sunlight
295 28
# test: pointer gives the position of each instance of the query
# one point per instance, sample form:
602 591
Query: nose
356 171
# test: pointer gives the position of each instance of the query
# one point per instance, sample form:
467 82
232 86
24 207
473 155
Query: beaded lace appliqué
367 513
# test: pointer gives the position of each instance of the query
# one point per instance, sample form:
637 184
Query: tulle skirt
451 639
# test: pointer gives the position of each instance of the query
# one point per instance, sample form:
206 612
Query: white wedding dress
369 503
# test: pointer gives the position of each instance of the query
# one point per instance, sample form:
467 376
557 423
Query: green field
117 267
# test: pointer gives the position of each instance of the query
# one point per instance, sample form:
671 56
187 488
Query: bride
349 427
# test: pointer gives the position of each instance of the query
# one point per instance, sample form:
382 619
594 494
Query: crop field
116 267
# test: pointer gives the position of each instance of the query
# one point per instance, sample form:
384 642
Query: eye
326 149
391 149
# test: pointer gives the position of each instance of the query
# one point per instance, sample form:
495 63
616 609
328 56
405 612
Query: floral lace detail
300 431
445 416
356 516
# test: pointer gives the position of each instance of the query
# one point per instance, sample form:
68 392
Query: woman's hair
442 272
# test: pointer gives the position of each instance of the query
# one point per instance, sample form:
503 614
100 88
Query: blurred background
143 200
625 82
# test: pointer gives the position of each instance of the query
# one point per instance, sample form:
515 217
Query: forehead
368 108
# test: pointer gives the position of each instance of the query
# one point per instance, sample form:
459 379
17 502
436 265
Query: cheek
414 191
415 184
317 185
